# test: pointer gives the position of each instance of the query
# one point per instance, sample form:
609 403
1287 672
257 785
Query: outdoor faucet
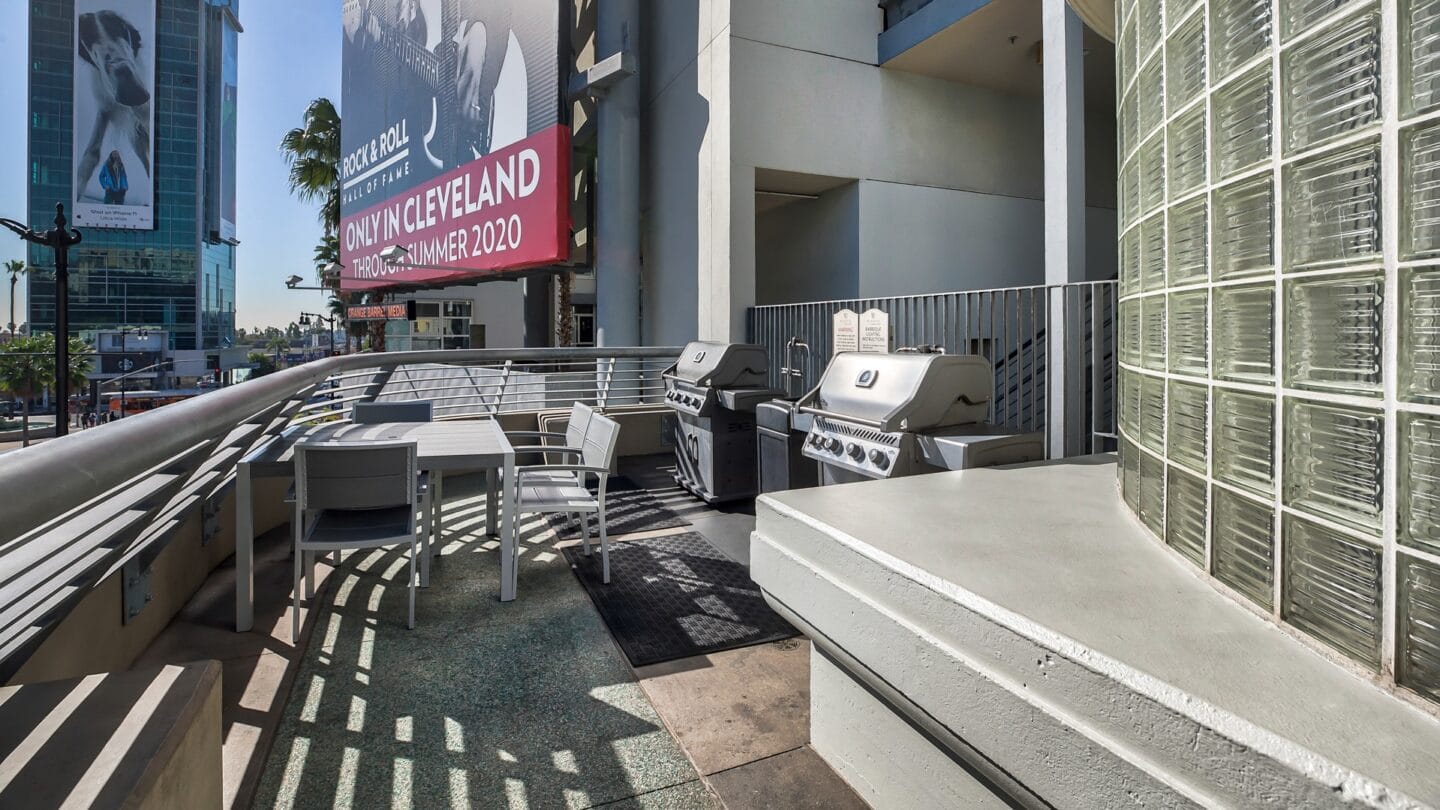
789 372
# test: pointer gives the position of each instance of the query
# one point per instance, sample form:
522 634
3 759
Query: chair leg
414 574
584 531
295 614
604 548
424 542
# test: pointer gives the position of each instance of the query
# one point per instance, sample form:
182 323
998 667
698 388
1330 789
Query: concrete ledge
1042 639
143 739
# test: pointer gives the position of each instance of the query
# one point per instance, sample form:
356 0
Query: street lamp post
59 239
305 318
15 274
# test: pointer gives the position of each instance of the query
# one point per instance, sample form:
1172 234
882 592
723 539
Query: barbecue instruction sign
875 331
845 332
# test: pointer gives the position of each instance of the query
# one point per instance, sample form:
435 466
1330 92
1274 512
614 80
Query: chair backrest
354 475
580 416
598 447
370 413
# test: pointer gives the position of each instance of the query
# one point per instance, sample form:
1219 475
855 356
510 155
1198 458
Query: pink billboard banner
507 210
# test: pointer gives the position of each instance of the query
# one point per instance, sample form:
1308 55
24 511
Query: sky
289 55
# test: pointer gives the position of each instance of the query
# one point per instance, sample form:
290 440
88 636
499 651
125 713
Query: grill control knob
855 451
879 459
833 445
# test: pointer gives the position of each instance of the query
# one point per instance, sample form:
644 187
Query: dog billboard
454 156
113 114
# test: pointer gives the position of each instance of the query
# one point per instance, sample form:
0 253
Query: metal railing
76 510
1010 326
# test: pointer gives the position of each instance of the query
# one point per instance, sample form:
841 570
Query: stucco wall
809 250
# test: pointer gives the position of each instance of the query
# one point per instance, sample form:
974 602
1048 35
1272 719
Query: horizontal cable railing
77 509
1009 326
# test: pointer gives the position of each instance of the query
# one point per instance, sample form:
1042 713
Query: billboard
229 138
394 311
452 146
113 114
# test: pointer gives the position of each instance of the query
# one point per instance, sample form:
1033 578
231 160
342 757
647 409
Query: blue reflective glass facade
178 277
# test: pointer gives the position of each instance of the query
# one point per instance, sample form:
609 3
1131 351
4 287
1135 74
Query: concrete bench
148 738
1013 632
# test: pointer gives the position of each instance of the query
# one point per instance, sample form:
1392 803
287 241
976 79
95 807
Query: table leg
437 531
509 539
244 551
492 501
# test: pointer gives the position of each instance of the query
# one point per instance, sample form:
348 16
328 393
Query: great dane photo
111 47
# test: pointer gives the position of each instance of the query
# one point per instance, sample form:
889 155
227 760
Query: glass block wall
1280 310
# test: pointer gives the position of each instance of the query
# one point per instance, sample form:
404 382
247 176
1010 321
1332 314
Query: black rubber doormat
628 509
676 596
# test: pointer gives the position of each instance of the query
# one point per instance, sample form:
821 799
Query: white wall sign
845 332
875 331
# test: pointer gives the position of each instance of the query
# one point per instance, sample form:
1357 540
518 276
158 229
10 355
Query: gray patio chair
540 492
353 495
571 440
370 413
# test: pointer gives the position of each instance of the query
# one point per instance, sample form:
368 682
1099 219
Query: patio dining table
440 448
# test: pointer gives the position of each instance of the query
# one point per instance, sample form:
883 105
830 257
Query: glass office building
178 277
1280 383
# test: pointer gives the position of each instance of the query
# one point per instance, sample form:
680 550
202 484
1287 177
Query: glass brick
1185 61
1152 334
1186 244
1243 115
1130 192
1150 18
1420 334
1152 253
1129 397
1152 493
1186 136
1125 56
1420 193
1333 462
1152 174
1130 475
1242 552
1128 132
1186 506
1332 209
1243 229
1418 521
1239 32
1332 589
1152 413
1188 425
1244 440
1298 15
1130 333
1150 95
1419 56
1130 262
1332 83
1187 330
1245 333
1333 333
1417 661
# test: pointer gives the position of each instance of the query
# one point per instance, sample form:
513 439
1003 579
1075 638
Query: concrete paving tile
689 796
730 533
736 706
797 779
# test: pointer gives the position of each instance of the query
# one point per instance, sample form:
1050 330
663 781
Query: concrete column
1064 99
617 185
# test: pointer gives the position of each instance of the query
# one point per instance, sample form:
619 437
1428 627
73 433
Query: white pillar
1064 101
617 185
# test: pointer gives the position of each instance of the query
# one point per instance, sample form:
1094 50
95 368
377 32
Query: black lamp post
59 240
305 321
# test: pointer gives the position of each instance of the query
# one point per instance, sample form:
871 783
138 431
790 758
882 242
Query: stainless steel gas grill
713 389
889 415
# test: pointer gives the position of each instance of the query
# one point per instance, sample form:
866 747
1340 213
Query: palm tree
27 367
16 269
278 344
338 309
327 252
313 153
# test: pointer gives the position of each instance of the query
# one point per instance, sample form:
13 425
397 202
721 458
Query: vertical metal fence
1010 326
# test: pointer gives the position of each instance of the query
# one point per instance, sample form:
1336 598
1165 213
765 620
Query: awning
1099 15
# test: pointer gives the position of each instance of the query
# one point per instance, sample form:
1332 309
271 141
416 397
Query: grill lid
911 392
722 365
